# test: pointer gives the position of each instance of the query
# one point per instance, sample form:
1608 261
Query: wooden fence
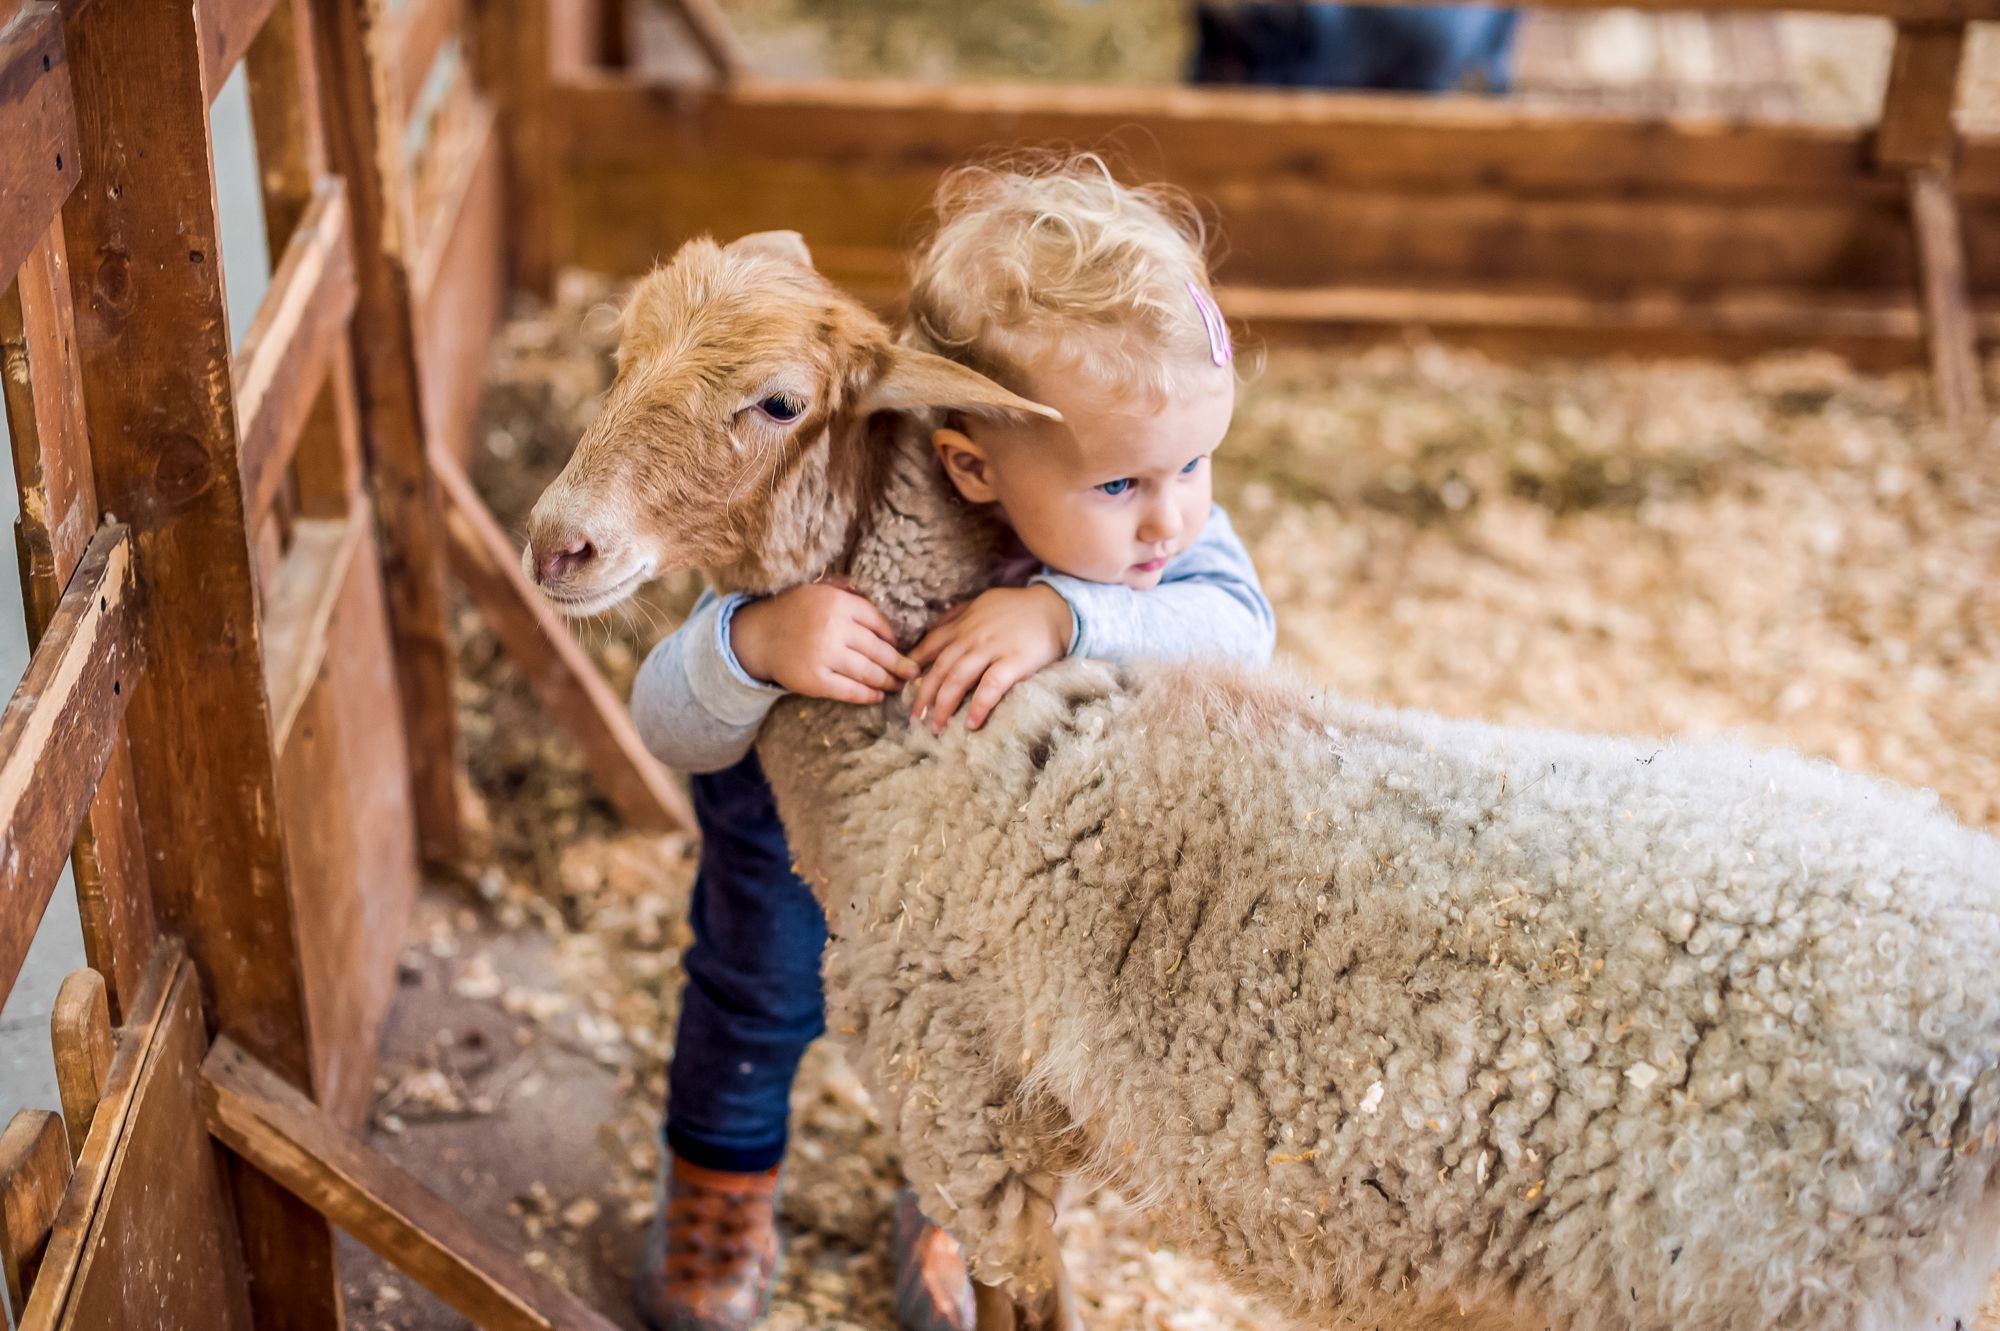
237 724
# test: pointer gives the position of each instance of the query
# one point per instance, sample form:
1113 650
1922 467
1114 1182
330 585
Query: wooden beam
462 285
364 142
515 66
285 120
292 343
80 1037
564 678
228 27
1917 128
258 1116
1947 304
160 1248
38 162
66 1247
57 732
1196 136
418 32
153 336
57 503
298 611
34 1170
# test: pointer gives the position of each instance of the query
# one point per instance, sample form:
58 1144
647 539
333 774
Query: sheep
1403 1021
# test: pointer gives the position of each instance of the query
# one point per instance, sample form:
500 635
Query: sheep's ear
917 380
774 245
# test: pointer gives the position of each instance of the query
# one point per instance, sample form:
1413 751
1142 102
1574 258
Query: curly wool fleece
1397 1017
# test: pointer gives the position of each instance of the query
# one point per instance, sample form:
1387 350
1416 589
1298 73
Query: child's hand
995 641
822 641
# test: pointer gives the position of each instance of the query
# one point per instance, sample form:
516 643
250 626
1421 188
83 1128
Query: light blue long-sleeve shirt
699 710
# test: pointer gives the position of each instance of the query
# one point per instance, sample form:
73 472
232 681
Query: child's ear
917 380
965 463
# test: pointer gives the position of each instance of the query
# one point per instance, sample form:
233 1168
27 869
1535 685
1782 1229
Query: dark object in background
1354 46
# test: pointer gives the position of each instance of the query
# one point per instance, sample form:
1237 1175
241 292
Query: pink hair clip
1219 349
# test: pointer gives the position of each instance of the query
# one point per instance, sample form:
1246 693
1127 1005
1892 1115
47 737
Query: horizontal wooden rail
69 1239
291 344
563 677
227 29
422 27
283 1134
298 610
38 166
58 732
1280 138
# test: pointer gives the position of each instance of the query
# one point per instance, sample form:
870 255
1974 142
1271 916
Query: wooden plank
283 79
80 1036
262 1119
462 288
343 792
38 161
56 735
79 1202
298 611
152 331
365 146
563 677
418 31
162 1250
57 505
1197 135
34 1169
1948 322
1916 128
292 343
514 66
228 27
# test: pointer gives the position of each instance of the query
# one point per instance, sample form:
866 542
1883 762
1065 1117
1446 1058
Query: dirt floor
1786 550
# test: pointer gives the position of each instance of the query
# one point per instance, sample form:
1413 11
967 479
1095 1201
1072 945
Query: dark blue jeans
752 1001
1389 48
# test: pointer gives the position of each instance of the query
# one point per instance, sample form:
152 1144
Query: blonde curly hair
1045 261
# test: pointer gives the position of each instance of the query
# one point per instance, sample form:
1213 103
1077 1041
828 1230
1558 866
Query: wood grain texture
41 382
417 32
462 287
38 161
514 66
262 1119
80 1037
153 335
298 611
57 733
228 27
283 79
343 791
71 1232
1917 128
1947 304
365 146
565 680
292 344
162 1248
34 1169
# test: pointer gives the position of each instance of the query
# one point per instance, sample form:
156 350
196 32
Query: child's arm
705 689
1208 604
695 706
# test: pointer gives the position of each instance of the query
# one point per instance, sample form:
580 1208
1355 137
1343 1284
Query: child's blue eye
1190 466
1117 487
782 408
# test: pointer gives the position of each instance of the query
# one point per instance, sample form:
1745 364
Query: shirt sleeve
695 706
1208 603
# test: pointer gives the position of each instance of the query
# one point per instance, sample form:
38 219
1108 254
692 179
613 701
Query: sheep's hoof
996 1309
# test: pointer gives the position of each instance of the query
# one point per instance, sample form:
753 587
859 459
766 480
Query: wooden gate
238 721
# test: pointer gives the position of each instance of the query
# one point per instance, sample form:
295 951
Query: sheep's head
729 440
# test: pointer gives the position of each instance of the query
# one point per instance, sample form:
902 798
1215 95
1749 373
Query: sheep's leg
1054 1309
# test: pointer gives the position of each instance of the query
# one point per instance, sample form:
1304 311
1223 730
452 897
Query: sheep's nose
570 557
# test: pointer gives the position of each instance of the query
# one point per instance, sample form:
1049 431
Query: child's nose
1162 522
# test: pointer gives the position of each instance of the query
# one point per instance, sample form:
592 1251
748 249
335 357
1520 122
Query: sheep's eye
783 407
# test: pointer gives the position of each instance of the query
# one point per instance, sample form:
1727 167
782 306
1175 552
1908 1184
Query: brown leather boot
933 1291
712 1252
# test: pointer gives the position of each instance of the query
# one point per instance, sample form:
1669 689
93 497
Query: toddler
1071 290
